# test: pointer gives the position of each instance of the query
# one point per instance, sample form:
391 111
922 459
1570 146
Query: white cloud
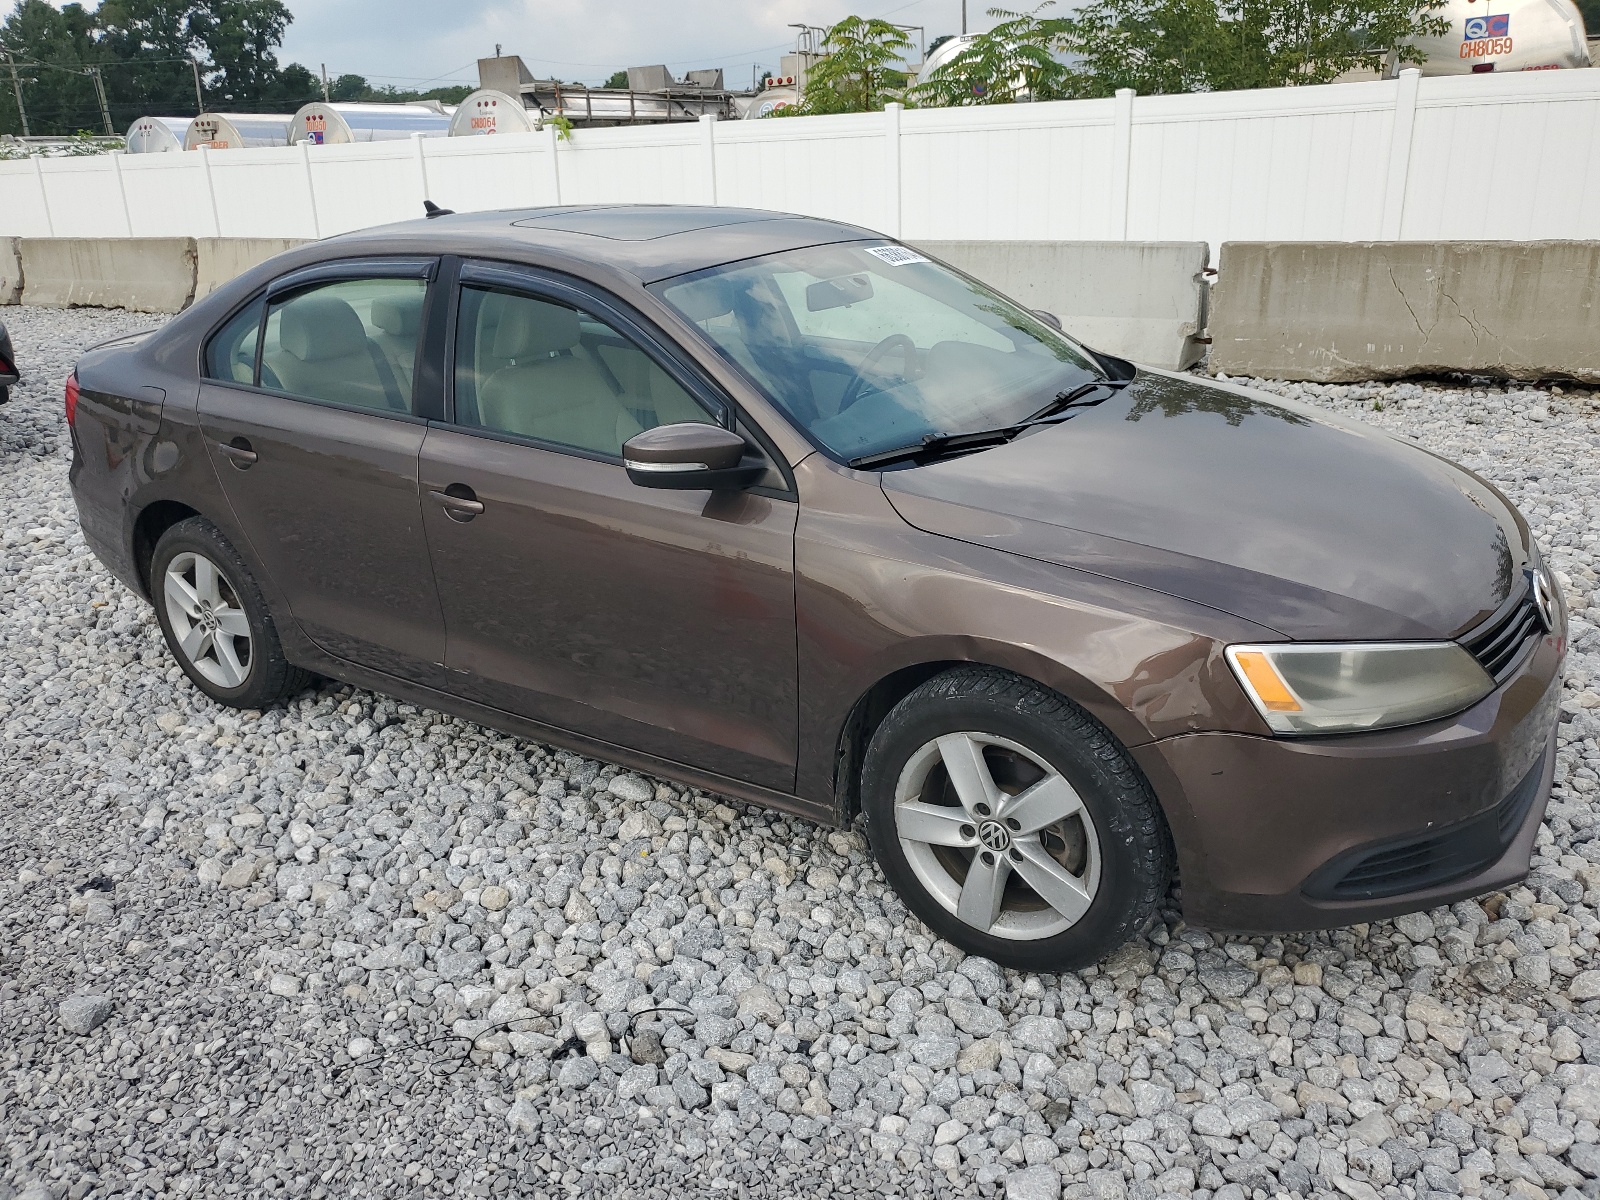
426 43
408 41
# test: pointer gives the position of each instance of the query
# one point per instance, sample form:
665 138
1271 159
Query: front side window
351 343
869 348
231 353
539 369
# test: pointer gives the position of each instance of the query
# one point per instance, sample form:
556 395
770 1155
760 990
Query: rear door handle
238 452
458 506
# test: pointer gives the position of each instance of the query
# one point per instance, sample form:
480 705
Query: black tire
268 676
1135 856
5 392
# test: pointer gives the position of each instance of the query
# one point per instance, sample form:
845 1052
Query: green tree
1591 16
857 74
1015 59
239 37
348 89
144 50
58 95
1216 45
150 42
286 91
617 79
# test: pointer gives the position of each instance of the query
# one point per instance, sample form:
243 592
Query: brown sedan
783 509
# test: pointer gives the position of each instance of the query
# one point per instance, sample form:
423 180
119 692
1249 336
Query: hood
1315 526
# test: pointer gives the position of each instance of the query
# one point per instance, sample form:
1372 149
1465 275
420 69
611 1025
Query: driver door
663 621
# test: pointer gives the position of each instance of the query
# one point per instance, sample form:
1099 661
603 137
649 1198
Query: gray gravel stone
412 885
85 1014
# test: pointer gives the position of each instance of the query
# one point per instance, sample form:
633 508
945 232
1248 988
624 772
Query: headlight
1346 688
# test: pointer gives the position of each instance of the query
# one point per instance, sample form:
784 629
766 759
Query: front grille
1413 864
1497 644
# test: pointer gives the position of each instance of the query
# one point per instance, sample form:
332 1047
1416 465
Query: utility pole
16 86
963 18
199 100
324 83
100 91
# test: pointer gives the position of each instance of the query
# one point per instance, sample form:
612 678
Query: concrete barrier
140 274
1145 301
1340 311
217 260
10 271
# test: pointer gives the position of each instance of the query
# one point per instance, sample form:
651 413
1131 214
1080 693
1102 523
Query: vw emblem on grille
1544 600
994 837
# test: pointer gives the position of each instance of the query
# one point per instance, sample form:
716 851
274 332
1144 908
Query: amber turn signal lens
1266 681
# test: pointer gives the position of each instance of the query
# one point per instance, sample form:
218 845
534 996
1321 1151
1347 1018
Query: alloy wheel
997 835
208 621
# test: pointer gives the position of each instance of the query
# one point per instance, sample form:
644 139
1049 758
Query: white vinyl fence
1505 157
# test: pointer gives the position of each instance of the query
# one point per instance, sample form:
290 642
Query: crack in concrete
1401 292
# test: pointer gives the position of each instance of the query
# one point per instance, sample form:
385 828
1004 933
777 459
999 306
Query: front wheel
215 619
1012 822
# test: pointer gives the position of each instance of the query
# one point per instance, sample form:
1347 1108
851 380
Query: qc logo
1488 27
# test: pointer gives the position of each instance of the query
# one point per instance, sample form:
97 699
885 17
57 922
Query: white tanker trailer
237 131
1503 35
157 135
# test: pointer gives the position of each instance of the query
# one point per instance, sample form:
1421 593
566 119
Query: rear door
314 423
657 620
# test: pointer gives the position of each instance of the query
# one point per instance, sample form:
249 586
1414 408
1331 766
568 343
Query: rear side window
231 353
352 343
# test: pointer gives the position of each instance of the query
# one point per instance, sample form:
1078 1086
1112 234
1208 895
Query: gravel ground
351 948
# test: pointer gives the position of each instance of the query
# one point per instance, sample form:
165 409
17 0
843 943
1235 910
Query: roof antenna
433 210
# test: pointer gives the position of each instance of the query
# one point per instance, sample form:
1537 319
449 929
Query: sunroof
640 224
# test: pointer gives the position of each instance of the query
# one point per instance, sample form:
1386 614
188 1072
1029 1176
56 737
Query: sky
417 44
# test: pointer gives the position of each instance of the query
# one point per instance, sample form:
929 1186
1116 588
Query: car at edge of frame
9 375
783 509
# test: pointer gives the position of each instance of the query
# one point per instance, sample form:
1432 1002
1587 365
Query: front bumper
1283 834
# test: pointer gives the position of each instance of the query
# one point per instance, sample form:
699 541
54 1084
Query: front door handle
460 502
238 452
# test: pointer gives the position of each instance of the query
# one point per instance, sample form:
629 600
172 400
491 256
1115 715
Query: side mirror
1049 318
690 456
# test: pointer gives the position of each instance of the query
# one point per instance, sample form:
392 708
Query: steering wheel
895 341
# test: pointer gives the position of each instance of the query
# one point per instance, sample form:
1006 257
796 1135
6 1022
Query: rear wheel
215 619
1012 822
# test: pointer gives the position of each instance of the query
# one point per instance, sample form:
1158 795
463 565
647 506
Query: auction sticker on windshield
895 256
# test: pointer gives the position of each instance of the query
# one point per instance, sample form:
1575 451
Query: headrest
316 328
531 328
399 318
703 299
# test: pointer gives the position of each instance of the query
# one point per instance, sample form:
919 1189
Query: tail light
72 398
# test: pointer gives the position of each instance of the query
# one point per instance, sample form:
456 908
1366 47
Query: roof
649 241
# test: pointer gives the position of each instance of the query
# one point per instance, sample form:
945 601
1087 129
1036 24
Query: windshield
870 348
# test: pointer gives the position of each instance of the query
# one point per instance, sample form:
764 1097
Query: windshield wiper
1074 398
941 445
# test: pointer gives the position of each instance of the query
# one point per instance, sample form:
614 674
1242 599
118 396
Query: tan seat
398 322
324 353
551 389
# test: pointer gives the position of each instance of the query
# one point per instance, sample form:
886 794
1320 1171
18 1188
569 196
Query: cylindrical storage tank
237 131
341 124
489 111
1503 35
943 53
771 100
156 135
